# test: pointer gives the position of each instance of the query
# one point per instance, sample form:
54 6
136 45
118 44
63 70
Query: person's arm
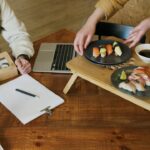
85 34
138 32
104 9
14 32
110 7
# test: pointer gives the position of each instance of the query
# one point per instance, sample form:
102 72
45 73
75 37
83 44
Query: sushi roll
109 49
118 51
96 52
128 86
103 52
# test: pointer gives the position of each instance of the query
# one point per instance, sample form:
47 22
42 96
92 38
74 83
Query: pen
27 93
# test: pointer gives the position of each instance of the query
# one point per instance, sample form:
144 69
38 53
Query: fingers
78 43
133 44
132 40
87 41
81 42
23 65
135 30
84 37
134 37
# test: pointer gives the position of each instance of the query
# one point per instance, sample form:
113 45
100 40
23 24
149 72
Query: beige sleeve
110 6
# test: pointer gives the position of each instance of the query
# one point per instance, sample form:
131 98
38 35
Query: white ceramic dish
140 48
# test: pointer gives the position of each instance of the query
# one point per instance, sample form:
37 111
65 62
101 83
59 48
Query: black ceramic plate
108 60
115 78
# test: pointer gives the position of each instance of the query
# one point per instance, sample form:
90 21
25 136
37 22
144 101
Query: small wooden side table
100 76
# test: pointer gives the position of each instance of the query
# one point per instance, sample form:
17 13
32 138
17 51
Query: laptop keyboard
63 54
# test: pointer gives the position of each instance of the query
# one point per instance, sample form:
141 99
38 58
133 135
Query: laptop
52 57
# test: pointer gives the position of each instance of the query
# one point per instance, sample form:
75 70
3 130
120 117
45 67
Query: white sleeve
15 32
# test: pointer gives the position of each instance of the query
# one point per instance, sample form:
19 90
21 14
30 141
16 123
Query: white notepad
1 147
25 107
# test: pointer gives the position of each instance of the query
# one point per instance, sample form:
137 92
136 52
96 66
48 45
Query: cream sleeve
15 32
110 6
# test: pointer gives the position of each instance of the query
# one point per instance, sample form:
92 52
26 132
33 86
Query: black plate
115 78
108 60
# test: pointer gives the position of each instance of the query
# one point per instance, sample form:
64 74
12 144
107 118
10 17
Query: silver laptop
52 57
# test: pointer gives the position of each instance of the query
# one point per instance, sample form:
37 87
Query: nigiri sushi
146 78
96 52
147 70
139 86
103 52
109 49
133 76
128 86
148 82
118 51
139 70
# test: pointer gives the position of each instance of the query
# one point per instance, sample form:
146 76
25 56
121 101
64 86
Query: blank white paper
25 107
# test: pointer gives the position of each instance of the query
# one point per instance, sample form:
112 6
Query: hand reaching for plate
138 32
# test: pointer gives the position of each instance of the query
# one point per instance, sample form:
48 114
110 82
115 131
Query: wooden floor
46 16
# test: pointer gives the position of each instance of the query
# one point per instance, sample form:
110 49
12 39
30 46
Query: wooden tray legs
70 83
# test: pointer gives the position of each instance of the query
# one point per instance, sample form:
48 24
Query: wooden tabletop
90 119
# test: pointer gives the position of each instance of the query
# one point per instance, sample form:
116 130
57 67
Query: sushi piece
139 70
109 49
96 52
118 51
146 78
139 86
148 82
128 86
139 79
147 70
103 52
133 76
115 43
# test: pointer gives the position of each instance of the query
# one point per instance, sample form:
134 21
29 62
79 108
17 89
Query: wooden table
90 119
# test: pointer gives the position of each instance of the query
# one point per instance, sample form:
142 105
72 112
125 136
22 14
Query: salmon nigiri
96 52
109 49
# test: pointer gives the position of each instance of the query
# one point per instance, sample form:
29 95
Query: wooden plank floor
46 16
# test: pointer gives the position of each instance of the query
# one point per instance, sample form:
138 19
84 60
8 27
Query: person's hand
86 33
138 33
23 65
83 38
